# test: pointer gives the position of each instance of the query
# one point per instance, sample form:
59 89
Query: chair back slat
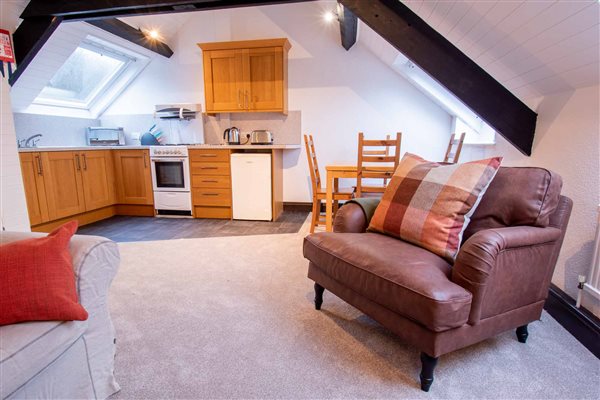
377 163
454 148
313 166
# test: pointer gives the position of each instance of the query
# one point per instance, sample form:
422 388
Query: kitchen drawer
211 181
207 155
209 168
212 212
211 197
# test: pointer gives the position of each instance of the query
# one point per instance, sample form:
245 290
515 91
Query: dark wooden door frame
445 63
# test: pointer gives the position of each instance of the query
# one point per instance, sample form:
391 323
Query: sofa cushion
402 277
430 204
37 282
517 196
29 347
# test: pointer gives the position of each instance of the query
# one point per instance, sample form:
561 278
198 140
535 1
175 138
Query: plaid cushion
430 204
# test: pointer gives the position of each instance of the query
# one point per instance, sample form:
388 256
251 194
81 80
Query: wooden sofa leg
318 296
428 364
522 334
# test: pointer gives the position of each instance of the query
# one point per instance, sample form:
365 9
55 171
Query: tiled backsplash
66 131
55 131
286 129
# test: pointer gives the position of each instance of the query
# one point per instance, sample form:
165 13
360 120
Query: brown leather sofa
498 282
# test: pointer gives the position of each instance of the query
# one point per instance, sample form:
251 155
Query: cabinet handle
210 194
40 171
84 162
246 100
208 155
240 98
210 181
77 162
209 168
145 162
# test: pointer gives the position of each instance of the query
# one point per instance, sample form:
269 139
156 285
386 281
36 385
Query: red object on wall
6 49
37 282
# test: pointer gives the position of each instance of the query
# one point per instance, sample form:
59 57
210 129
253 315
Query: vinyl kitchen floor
139 229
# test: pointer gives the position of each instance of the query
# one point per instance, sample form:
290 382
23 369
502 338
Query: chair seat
404 278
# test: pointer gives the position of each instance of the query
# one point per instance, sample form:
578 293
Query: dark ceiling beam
85 10
348 26
478 90
127 32
29 38
42 17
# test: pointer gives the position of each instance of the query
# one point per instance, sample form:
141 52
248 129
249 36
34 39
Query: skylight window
82 78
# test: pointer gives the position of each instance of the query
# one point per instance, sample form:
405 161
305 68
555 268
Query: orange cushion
430 204
37 282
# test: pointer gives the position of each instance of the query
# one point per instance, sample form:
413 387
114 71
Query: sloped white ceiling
534 48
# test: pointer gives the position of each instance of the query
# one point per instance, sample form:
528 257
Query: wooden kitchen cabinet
133 177
97 171
246 76
211 183
63 183
33 182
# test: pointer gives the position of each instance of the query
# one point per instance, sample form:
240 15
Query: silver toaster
261 137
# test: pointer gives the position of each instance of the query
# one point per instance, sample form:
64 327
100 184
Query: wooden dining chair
376 163
318 192
454 148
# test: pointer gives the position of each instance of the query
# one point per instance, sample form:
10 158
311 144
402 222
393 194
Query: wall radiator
593 282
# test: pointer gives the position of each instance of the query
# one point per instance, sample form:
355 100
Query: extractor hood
177 111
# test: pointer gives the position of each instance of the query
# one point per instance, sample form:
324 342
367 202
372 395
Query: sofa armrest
350 218
505 268
95 264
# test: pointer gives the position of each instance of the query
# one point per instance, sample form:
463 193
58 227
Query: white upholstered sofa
66 359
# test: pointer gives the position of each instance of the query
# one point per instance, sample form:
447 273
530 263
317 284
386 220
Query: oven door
170 174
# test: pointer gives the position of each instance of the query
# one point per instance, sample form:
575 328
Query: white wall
567 142
339 93
13 209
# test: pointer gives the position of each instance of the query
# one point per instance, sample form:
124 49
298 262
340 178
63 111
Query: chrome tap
31 140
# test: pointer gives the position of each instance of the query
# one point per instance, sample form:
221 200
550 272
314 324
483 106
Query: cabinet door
134 180
63 183
263 74
223 80
35 193
98 179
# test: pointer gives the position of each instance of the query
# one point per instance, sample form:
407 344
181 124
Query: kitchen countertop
193 146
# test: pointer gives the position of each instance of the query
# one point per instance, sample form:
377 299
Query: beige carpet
232 317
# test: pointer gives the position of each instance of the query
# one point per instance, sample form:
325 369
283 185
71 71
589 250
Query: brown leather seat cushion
402 277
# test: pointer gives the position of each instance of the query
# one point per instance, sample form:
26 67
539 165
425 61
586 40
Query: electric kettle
232 135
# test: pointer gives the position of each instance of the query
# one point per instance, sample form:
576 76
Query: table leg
329 203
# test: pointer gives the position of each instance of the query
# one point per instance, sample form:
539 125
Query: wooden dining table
335 172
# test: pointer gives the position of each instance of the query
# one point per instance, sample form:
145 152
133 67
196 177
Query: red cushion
37 282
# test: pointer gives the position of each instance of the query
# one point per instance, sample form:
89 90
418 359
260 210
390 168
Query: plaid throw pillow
430 204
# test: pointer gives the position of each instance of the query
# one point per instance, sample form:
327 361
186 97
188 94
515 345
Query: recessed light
153 34
329 16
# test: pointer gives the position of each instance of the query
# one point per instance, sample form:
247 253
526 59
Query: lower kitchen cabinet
211 183
97 171
63 183
35 193
133 177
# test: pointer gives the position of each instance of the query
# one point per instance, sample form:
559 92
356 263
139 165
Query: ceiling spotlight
329 16
153 34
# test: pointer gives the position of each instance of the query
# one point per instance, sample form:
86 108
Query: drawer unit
211 197
213 168
206 155
211 183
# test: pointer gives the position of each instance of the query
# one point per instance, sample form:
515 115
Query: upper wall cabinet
246 76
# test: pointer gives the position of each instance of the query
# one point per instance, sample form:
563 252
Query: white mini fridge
251 186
